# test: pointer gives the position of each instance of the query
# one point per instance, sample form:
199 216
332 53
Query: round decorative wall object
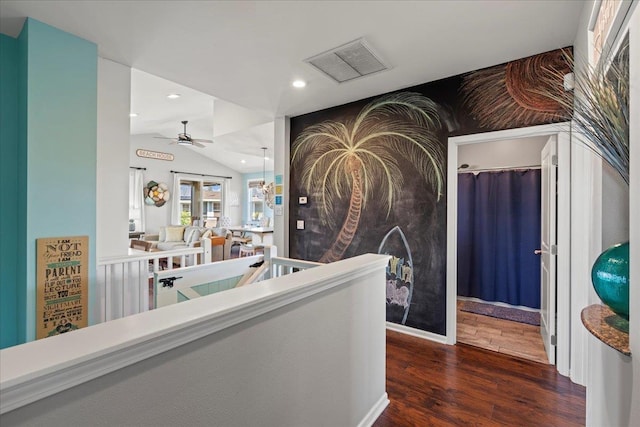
156 193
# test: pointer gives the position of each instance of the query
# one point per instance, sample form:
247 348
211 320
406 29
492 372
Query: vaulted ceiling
242 56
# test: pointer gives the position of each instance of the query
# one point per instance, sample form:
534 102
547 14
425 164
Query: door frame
548 239
562 132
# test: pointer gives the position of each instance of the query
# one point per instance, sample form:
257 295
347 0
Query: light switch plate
300 224
302 200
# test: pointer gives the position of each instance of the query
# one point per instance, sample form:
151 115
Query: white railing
171 287
282 266
137 282
123 282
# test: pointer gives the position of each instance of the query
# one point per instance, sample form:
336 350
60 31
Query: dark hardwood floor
432 384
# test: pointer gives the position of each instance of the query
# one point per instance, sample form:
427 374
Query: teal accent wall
21 203
246 177
9 142
55 193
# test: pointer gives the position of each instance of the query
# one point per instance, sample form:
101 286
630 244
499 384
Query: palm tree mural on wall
359 159
352 162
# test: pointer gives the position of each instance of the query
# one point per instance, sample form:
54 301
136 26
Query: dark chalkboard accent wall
374 173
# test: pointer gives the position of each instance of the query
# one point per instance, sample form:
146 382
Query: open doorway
499 228
538 136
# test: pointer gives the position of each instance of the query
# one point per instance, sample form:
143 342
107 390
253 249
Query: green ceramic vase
610 277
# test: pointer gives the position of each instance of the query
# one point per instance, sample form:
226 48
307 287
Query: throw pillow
220 231
191 234
174 234
188 231
162 235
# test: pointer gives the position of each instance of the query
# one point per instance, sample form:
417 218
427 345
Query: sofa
180 237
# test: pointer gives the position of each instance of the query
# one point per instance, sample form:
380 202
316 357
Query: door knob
538 252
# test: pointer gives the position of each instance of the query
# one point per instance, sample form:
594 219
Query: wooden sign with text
154 155
62 282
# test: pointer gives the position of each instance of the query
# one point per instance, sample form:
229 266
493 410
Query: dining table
260 232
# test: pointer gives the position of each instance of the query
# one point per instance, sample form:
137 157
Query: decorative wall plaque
62 282
154 155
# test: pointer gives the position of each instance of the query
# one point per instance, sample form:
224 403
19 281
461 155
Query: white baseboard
417 333
375 411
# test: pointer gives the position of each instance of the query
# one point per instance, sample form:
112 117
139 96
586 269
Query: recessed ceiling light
243 161
173 96
133 114
299 83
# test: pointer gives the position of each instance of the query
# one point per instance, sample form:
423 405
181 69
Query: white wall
634 214
615 208
502 154
185 160
112 169
610 375
281 167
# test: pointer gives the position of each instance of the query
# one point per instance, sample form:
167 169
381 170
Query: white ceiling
237 143
249 52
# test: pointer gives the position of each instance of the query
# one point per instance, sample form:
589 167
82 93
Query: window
211 200
200 200
607 19
256 200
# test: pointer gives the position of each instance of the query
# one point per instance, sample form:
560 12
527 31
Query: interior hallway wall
634 215
112 169
612 380
464 104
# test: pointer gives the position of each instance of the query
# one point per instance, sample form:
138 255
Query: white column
112 187
281 167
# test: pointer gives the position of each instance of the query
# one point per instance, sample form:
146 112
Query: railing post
206 246
270 252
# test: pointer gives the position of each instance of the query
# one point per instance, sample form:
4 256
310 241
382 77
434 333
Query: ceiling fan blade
162 137
175 141
207 141
197 144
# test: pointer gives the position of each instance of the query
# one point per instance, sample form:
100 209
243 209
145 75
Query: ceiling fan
185 139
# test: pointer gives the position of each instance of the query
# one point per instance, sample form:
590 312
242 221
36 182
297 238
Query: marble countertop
600 321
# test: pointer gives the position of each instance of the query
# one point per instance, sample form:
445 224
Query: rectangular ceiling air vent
348 62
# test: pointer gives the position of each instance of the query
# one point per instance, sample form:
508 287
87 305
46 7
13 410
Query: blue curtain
498 230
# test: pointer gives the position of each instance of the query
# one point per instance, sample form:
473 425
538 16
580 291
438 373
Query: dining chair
246 250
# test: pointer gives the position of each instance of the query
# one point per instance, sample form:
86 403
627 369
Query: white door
548 249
